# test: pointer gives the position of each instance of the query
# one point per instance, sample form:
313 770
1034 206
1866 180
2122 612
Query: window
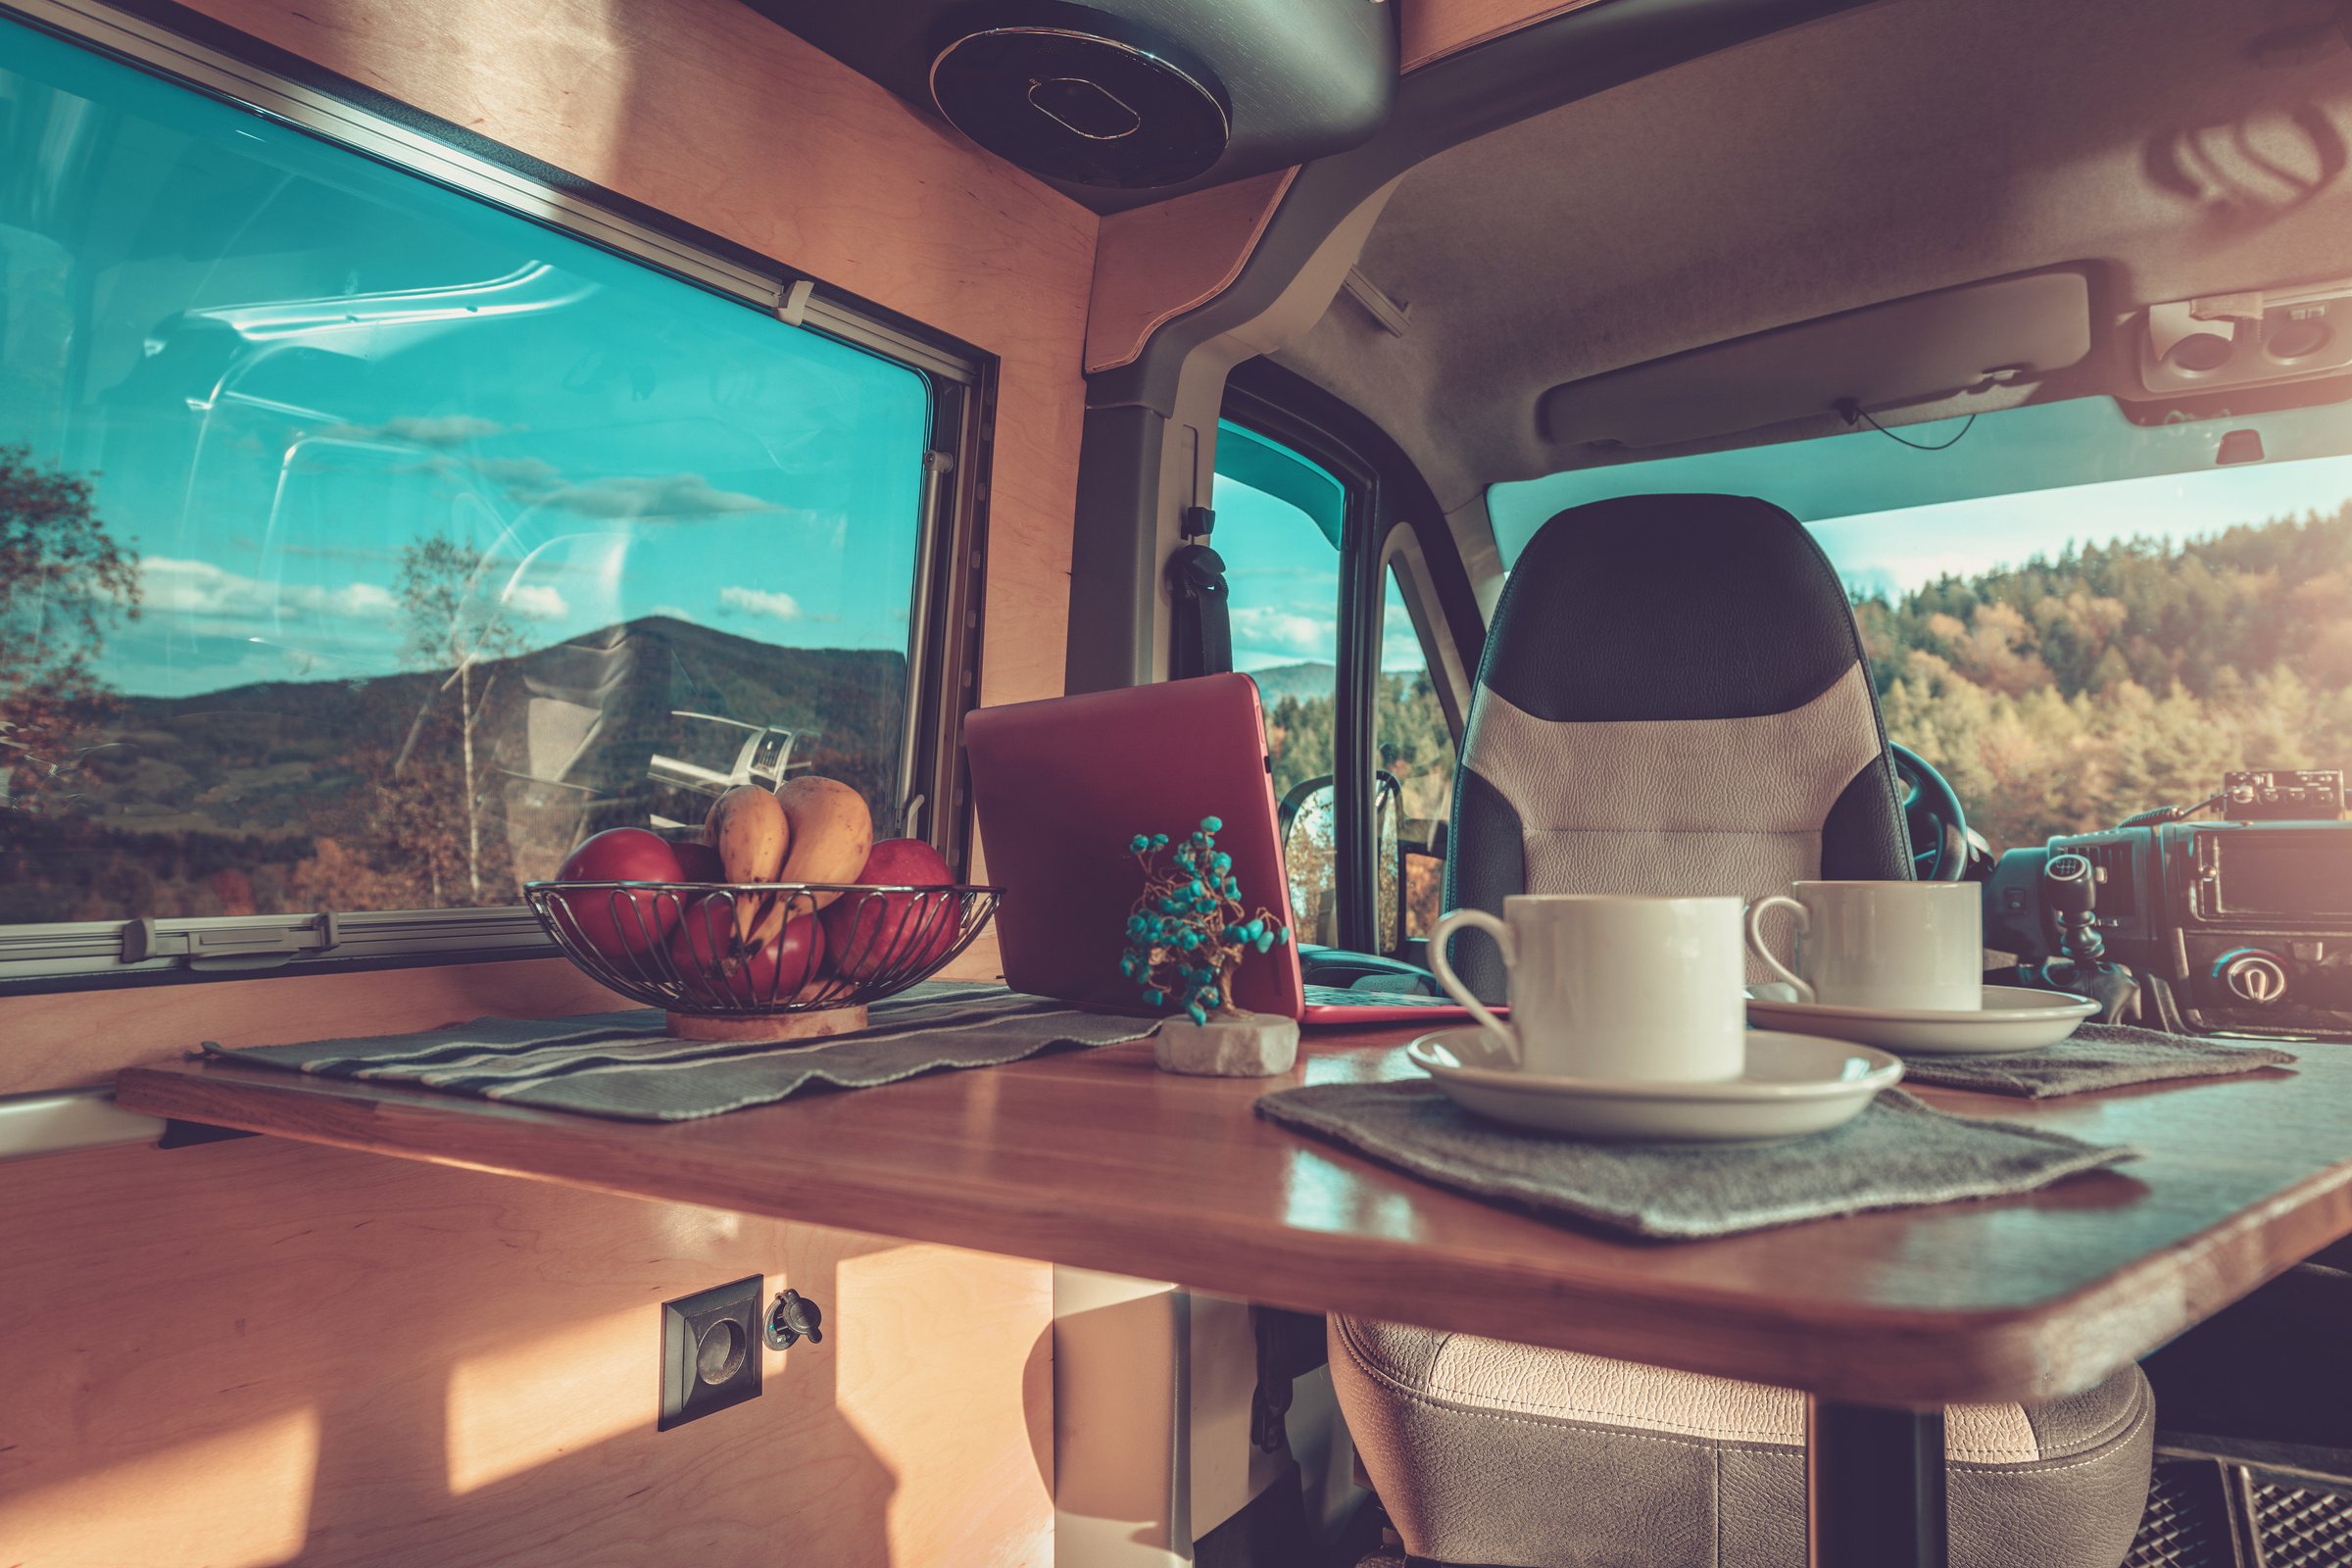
1281 527
1279 518
1279 524
364 545
2072 618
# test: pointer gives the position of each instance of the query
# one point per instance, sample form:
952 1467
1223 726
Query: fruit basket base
812 1025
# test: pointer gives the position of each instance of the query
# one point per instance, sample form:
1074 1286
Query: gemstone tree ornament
1185 937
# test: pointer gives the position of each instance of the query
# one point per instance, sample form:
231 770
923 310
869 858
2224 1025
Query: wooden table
1097 1160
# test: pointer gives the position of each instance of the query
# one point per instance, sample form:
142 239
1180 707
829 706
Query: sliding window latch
258 945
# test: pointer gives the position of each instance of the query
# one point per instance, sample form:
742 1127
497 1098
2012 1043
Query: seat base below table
1485 1451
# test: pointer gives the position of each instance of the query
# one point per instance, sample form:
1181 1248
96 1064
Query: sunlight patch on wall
906 1415
240 1498
551 1393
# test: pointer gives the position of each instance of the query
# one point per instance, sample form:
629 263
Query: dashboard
2242 926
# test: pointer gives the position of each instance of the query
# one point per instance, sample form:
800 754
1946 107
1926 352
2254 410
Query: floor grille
2301 1526
2188 1522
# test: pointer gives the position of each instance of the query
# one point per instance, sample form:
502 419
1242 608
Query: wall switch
710 1344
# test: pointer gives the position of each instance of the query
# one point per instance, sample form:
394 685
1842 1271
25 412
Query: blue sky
1283 581
1890 551
2022 482
285 363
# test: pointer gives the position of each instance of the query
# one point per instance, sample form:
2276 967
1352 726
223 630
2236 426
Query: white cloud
676 612
756 602
1269 630
199 589
1399 645
530 481
537 602
442 430
676 495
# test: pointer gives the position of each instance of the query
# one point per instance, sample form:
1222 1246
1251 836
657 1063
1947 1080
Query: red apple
706 941
698 862
620 926
904 932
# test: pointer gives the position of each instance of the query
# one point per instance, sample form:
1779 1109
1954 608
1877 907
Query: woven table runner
2097 1056
1898 1153
625 1065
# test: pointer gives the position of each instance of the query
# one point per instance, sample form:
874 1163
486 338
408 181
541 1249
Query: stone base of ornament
1239 1045
814 1025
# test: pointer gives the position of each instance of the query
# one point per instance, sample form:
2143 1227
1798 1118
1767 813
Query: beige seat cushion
1488 1453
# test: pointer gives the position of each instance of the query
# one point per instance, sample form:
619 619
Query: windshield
2072 617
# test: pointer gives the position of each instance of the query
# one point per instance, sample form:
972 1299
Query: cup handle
1441 937
1755 940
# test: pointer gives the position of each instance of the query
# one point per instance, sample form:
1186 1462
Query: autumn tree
453 624
63 580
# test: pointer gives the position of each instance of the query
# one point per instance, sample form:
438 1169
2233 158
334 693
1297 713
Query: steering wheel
1933 812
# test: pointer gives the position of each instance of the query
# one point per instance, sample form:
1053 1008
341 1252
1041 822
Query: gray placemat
623 1065
1899 1152
2097 1056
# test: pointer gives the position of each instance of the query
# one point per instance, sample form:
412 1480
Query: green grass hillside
308 795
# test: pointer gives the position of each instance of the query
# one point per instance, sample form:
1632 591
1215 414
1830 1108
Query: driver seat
1674 698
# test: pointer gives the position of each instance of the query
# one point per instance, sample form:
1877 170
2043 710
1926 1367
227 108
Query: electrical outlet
710 1344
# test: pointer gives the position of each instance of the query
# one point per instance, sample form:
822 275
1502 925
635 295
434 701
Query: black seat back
1672 699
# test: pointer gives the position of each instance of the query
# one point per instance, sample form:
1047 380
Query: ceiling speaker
1077 94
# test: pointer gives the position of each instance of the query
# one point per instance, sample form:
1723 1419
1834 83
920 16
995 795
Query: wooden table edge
1911 1358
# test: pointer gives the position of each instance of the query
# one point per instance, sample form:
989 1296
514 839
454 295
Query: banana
749 828
832 832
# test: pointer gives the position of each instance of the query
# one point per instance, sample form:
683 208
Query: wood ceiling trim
1431 30
1153 263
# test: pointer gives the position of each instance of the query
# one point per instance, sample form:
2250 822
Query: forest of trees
2063 694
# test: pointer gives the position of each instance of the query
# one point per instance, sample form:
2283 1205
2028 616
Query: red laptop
1061 786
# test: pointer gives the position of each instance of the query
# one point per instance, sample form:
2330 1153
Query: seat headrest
1685 607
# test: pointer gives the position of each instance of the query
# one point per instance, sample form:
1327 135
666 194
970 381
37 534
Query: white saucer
2014 1018
1793 1085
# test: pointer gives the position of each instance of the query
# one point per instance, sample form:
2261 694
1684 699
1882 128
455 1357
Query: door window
1278 522
1415 746
1281 527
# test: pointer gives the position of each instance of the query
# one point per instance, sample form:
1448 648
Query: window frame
946 596
1385 493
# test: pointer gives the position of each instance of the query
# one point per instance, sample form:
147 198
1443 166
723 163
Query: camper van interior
1121 783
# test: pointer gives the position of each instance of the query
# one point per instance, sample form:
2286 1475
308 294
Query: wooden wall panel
1428 30
259 1352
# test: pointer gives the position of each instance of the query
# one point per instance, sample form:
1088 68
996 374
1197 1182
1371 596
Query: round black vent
1072 93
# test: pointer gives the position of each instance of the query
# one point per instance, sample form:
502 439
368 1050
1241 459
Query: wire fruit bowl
760 960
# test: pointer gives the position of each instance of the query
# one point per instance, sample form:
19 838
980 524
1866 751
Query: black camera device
2240 926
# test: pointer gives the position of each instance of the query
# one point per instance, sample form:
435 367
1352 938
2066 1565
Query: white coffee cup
1613 986
1914 946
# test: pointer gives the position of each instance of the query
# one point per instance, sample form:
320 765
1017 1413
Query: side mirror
1310 859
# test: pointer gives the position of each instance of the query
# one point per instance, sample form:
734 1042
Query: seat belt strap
1201 641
